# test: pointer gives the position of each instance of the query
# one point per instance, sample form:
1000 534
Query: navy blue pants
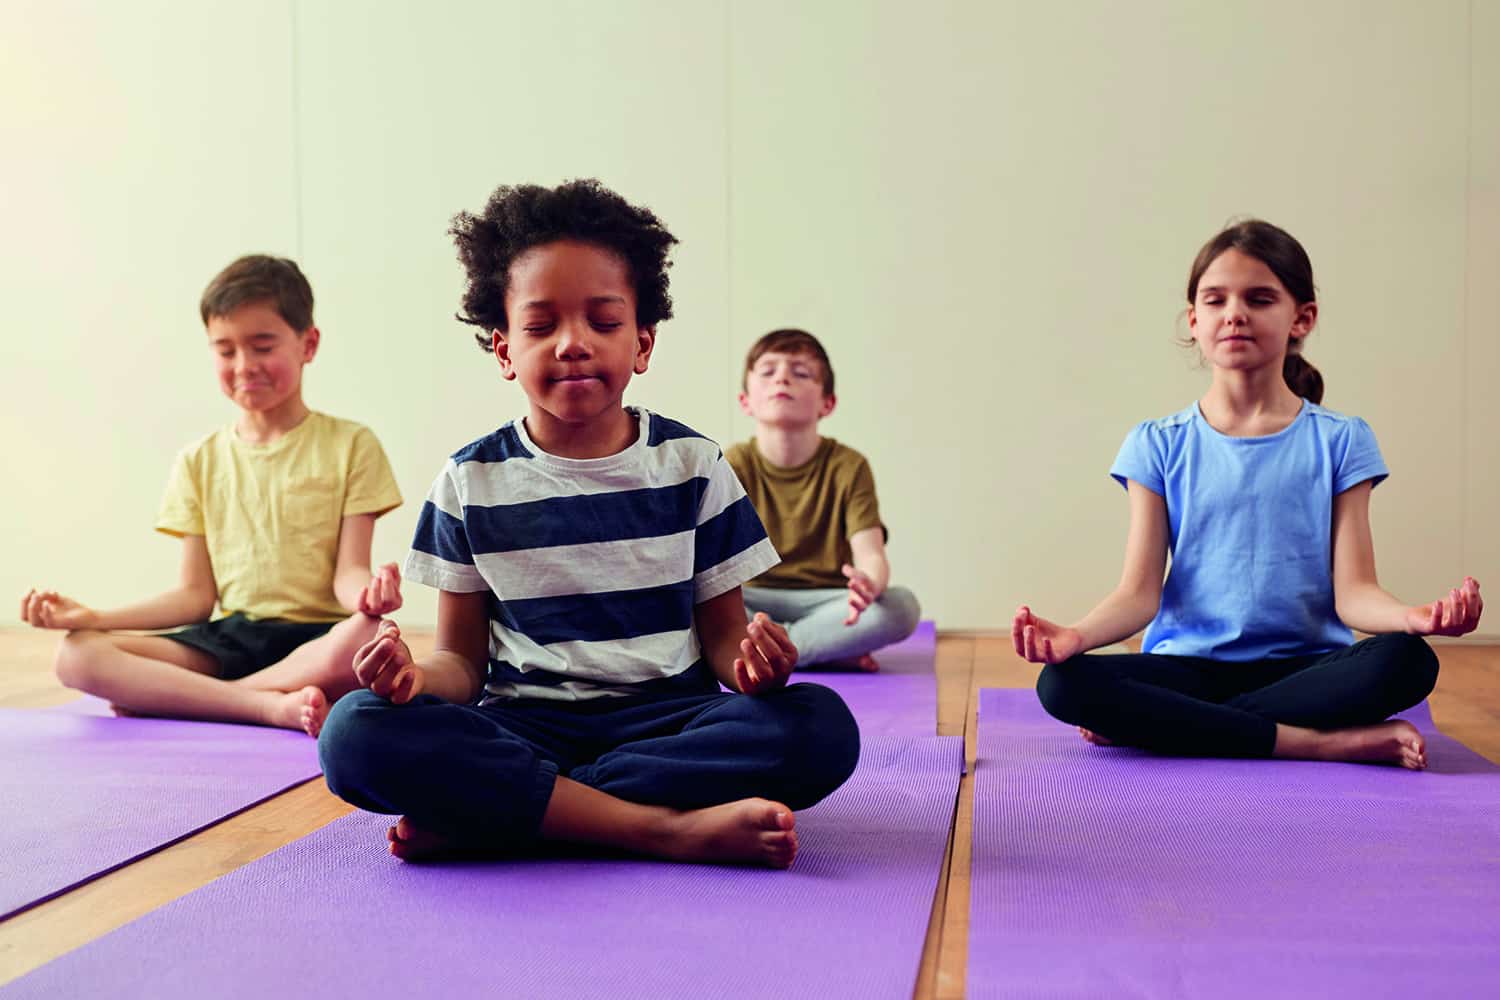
485 774
1195 707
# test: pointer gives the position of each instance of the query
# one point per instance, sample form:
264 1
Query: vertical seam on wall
729 208
1465 474
296 119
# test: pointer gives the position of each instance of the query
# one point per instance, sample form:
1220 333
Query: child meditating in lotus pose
589 558
275 513
1262 497
817 499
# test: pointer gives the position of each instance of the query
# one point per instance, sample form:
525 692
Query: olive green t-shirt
809 511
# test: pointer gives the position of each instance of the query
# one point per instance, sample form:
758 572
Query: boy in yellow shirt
276 514
816 498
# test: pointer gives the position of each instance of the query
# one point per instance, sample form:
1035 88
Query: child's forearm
1119 616
183 606
348 584
451 676
721 652
877 568
1368 608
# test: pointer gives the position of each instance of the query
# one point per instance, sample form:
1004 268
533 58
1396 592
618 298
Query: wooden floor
1466 705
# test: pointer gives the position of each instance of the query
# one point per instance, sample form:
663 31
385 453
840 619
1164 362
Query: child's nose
573 341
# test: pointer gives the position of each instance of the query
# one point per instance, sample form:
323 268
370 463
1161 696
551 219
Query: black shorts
241 646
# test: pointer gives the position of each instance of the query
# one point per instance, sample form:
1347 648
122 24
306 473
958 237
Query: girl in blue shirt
1261 497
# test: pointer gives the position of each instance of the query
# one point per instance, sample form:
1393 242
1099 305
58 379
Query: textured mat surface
333 915
1108 872
900 699
82 794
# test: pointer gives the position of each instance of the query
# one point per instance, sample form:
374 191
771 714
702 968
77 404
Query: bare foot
750 831
314 711
865 664
410 842
304 709
1095 738
124 713
1393 742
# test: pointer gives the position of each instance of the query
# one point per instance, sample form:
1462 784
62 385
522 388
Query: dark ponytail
1303 379
1278 250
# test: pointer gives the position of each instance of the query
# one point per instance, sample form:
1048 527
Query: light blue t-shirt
1251 530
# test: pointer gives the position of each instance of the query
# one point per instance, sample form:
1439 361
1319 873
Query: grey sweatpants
814 619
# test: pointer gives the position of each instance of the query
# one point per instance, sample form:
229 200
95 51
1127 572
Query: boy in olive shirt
817 500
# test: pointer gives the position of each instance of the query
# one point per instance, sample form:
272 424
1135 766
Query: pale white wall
406 121
145 145
986 211
1478 402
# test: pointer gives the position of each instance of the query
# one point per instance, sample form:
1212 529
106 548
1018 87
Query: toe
775 816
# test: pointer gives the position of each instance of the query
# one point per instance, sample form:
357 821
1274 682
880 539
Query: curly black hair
523 216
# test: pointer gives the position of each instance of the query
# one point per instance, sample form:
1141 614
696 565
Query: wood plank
955 663
995 665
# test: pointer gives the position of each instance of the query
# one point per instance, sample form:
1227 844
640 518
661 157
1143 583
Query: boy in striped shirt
589 558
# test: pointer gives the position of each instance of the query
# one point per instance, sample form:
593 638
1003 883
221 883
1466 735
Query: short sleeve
181 511
1358 459
730 546
862 509
738 457
1141 458
371 488
440 553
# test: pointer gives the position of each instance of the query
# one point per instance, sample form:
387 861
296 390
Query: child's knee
1061 689
356 738
76 663
820 739
356 630
903 609
1411 664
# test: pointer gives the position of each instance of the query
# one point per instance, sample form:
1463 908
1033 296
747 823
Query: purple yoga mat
333 915
898 700
1110 872
83 794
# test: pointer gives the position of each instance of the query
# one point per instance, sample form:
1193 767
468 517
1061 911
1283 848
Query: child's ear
502 355
310 340
829 402
645 340
1307 318
744 398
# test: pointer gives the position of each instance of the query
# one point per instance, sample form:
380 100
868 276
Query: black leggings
1196 707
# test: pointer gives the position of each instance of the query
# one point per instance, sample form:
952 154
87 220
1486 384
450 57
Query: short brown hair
790 341
260 278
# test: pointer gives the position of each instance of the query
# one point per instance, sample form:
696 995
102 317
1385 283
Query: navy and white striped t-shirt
593 566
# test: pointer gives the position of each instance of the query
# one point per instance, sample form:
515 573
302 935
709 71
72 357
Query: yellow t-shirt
271 513
809 511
